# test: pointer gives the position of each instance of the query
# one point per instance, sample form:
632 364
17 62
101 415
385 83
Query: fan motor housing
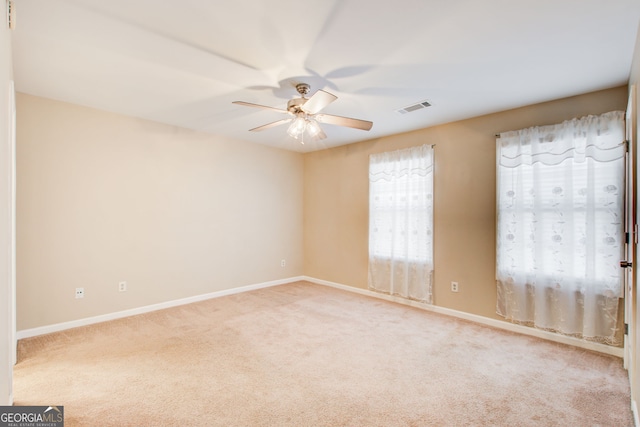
295 105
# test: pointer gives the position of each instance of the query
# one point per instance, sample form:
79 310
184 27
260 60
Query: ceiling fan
305 115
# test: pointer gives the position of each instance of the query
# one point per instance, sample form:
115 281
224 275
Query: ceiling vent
414 107
11 14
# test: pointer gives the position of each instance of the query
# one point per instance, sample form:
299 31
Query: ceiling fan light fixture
297 127
313 128
304 115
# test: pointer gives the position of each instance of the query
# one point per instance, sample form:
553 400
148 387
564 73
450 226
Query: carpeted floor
308 355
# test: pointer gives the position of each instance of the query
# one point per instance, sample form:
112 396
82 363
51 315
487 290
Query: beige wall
635 317
104 198
6 212
176 213
336 199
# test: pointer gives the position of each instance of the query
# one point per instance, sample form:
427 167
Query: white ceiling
184 62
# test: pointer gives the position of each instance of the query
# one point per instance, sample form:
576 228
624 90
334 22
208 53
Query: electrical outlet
122 286
454 286
283 263
79 292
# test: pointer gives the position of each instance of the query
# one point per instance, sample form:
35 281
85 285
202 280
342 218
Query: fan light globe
297 127
313 128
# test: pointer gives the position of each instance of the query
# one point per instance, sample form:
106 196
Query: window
560 203
401 222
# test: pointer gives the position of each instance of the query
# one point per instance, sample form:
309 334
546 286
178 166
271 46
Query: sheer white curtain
560 202
401 222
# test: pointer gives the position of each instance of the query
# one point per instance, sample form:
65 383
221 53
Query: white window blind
560 203
401 222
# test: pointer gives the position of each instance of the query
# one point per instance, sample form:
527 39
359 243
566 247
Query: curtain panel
560 226
401 223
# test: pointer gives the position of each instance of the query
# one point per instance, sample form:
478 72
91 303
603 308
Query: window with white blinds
560 226
401 222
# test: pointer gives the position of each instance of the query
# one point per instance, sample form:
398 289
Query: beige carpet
308 355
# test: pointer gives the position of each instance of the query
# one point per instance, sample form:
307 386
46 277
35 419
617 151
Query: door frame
632 210
630 228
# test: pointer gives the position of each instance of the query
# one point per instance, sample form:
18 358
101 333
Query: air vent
11 14
414 107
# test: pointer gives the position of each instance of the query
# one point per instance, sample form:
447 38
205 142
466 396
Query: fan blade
344 121
318 101
249 104
270 125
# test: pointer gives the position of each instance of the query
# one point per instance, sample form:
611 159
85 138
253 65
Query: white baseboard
27 333
634 409
576 342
